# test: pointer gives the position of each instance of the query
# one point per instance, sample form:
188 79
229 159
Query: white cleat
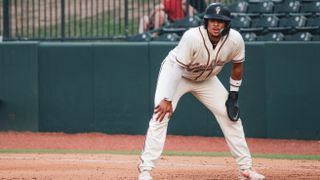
250 174
145 175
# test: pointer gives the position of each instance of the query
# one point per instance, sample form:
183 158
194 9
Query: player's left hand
162 109
232 106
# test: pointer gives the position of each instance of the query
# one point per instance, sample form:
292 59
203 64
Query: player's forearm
171 82
236 77
236 72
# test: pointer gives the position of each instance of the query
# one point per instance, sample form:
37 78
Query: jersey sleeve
185 49
239 52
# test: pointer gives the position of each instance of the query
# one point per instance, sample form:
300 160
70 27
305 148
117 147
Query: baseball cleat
145 175
250 174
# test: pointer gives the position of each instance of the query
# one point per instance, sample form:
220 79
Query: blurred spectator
166 11
199 5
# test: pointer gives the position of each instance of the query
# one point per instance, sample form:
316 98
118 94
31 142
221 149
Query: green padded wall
109 87
121 87
292 86
252 93
89 87
19 107
66 87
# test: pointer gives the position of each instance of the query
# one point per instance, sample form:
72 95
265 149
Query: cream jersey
200 61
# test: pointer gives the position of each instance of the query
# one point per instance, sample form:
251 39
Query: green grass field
166 153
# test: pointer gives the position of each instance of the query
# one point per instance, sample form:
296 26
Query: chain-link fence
75 19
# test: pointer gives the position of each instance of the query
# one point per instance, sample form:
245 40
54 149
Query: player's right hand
162 109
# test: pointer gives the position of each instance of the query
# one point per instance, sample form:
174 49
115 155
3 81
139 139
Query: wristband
235 84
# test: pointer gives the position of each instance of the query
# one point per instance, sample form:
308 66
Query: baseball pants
213 95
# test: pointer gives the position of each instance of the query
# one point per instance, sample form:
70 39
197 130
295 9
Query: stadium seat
239 7
261 24
240 21
310 8
273 36
257 1
179 31
167 37
141 37
262 7
187 22
180 26
312 25
254 1
249 36
289 24
316 37
300 36
277 1
287 7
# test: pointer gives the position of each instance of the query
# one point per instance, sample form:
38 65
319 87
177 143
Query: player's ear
226 29
205 23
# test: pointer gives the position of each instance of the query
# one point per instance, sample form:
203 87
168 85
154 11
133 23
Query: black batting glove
232 106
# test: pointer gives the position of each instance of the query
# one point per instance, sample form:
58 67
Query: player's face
215 26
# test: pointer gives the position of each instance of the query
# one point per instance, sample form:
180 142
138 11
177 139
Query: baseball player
192 66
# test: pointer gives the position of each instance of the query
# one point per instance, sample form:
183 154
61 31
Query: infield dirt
110 166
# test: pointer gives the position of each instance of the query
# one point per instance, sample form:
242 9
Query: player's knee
156 124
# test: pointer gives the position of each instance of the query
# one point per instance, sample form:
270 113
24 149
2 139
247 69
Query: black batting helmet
220 12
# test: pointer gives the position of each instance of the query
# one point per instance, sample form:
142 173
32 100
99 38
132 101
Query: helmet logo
218 9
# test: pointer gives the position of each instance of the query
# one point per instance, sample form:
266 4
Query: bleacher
259 20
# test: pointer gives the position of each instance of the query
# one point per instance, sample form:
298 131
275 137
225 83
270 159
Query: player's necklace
214 44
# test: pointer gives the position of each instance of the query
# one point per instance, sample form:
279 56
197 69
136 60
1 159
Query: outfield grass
167 153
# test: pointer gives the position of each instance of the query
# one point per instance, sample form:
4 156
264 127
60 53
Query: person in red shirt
167 10
173 9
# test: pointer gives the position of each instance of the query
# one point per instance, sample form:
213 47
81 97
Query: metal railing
73 19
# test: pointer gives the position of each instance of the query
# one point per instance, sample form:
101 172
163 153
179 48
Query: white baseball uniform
200 63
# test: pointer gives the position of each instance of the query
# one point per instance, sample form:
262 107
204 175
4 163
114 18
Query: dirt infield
108 166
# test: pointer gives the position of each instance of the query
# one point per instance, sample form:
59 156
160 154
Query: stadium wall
109 87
